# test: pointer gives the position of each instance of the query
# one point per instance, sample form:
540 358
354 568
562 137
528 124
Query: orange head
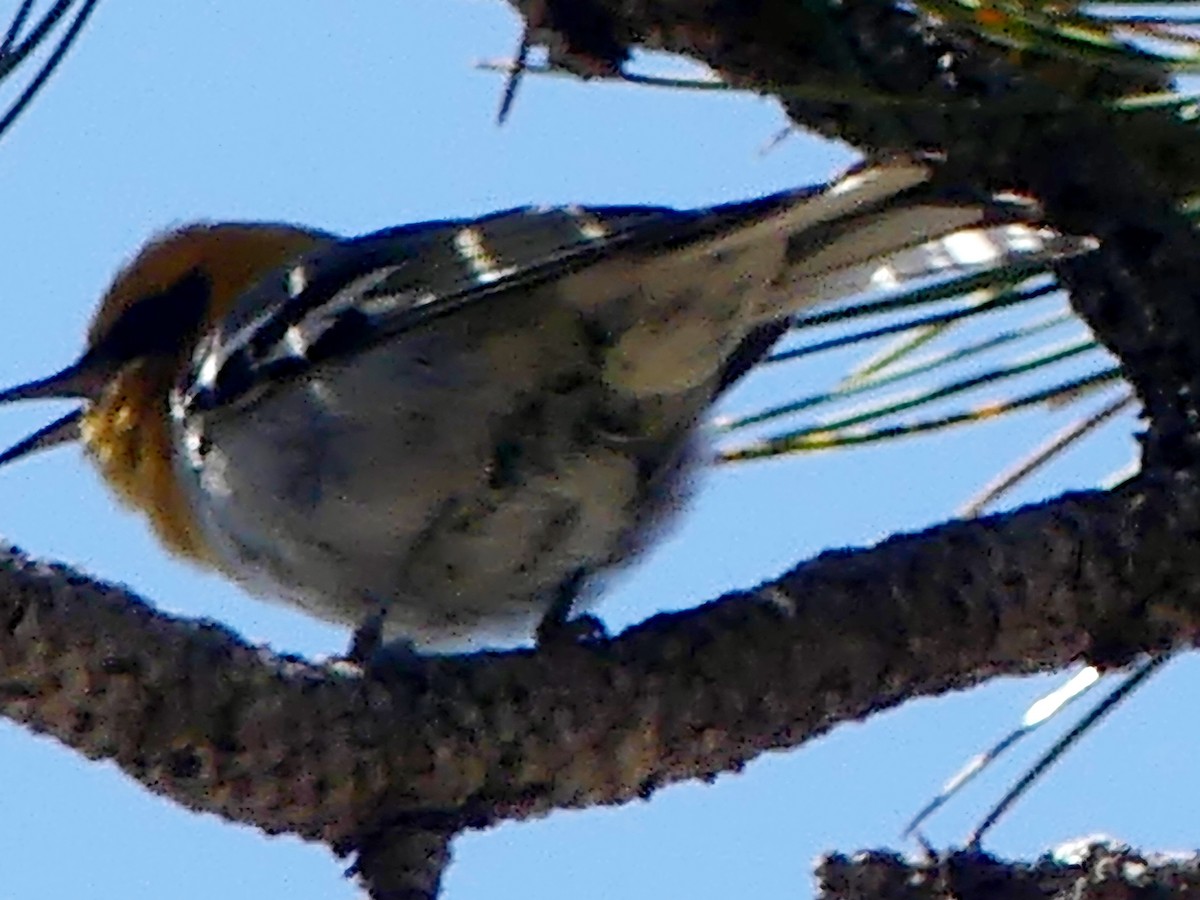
178 286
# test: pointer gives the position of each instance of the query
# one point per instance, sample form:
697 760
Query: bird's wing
814 244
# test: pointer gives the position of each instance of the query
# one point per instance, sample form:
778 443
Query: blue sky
358 116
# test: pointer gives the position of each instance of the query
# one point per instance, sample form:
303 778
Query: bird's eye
159 323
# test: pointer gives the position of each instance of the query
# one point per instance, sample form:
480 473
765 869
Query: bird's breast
455 475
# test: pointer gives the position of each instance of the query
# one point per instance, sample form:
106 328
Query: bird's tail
743 266
880 227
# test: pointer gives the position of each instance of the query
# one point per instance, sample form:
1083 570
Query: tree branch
195 714
1079 872
405 860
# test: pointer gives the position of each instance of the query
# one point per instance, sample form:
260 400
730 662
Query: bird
458 430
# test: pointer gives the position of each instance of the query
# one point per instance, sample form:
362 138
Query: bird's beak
82 379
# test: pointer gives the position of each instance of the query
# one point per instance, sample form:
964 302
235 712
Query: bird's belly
458 498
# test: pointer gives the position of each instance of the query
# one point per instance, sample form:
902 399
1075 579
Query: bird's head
140 339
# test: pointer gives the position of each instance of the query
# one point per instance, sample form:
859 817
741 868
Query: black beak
81 380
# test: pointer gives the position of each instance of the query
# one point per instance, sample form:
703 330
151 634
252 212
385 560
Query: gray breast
459 474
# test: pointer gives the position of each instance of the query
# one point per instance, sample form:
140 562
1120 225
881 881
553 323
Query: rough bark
1085 871
194 713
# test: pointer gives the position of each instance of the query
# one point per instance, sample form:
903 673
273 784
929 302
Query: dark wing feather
366 290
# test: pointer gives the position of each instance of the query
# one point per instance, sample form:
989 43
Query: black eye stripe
157 325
